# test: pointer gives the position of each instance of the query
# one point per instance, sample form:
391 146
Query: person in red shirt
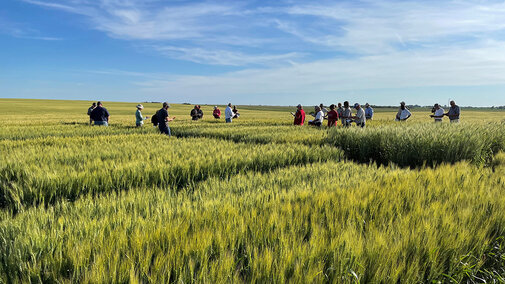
216 113
299 115
332 116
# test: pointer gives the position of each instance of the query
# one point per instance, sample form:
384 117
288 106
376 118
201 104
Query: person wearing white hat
138 116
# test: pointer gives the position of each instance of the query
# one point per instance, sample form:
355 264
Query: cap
140 106
299 105
356 105
402 103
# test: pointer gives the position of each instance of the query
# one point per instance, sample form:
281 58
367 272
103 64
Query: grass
255 201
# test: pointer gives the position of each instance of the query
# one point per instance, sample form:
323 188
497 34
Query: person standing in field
235 112
360 117
90 109
196 113
368 112
164 119
318 117
403 113
100 115
438 113
324 110
332 116
453 113
340 111
139 119
216 113
299 115
228 114
346 115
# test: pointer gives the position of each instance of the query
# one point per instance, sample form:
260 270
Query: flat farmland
258 200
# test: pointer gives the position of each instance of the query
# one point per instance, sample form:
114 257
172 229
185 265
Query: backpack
154 119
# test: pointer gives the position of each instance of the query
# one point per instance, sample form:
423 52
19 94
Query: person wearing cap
216 113
90 109
100 115
164 119
453 113
299 115
403 113
360 117
368 112
346 115
438 113
228 114
332 116
139 119
318 117
235 112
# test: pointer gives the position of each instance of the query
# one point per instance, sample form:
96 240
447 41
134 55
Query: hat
299 105
356 105
367 104
402 103
140 106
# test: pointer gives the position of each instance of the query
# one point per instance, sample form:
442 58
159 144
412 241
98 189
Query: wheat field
258 200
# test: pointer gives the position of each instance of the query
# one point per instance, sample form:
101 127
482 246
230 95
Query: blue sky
254 52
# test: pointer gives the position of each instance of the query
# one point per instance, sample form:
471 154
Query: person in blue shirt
368 112
453 113
138 116
100 115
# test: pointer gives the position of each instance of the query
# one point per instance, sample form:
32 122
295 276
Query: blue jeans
165 130
104 123
228 120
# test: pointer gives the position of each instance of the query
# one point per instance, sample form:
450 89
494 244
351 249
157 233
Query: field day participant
368 112
438 113
228 113
453 113
318 117
100 115
299 115
346 115
340 111
360 117
216 113
332 116
235 112
164 119
323 109
403 113
139 119
90 109
196 113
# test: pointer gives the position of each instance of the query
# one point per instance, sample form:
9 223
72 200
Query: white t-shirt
360 114
439 112
319 117
404 114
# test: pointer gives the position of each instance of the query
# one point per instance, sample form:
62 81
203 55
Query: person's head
339 105
215 107
452 103
229 104
321 106
402 107
436 106
367 105
94 104
99 103
332 106
317 109
402 103
234 107
299 107
139 106
166 105
346 104
196 106
357 106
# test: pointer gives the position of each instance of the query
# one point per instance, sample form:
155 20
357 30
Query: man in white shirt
359 118
438 114
318 117
228 114
403 113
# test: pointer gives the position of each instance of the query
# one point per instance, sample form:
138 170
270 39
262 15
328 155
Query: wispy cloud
18 30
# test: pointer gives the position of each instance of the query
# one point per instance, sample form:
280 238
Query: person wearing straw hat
138 116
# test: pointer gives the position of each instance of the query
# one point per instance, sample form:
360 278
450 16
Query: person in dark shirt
100 115
453 113
332 116
90 109
164 119
194 113
235 112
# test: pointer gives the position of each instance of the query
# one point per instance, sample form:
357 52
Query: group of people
336 113
229 113
100 116
345 115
